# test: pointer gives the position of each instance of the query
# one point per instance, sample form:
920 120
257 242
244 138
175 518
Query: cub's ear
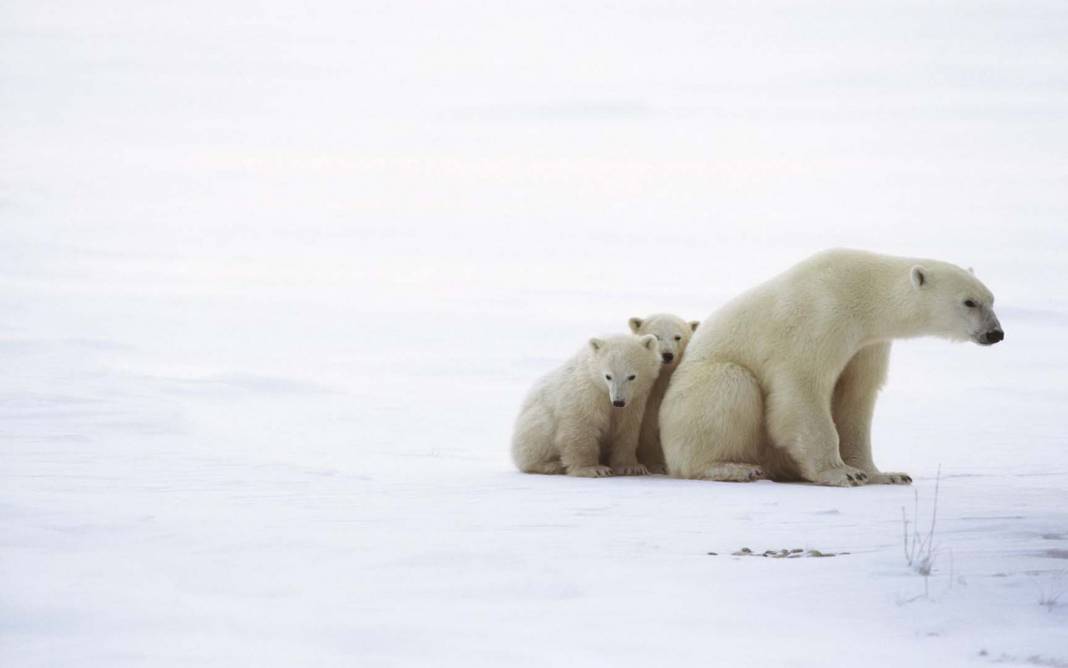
596 344
971 271
635 324
649 341
694 324
919 276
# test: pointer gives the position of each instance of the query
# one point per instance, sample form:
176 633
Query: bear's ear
971 271
596 344
635 324
649 341
694 324
919 276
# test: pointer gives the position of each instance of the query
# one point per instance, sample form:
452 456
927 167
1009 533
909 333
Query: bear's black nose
619 403
667 357
993 336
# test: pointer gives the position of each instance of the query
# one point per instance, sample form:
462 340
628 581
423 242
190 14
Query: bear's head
954 303
672 334
627 365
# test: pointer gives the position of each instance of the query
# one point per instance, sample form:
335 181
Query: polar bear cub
672 334
584 418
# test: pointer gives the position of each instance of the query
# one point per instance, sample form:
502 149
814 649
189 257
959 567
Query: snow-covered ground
276 275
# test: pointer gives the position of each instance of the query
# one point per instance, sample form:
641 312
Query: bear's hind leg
711 423
547 468
532 444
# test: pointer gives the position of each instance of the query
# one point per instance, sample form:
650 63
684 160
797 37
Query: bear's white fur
672 334
584 418
783 380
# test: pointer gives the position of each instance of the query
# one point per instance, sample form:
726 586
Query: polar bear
672 334
782 380
588 412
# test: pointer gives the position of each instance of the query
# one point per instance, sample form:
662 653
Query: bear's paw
733 472
590 471
632 469
882 478
841 476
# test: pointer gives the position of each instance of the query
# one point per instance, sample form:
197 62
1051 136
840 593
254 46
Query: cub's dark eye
631 377
969 303
608 376
678 338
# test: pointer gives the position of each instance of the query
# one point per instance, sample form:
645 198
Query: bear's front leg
580 451
799 421
853 407
650 451
623 452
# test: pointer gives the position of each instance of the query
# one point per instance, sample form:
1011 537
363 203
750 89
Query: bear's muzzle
991 337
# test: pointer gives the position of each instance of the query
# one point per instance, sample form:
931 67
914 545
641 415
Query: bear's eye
969 303
678 338
608 376
631 377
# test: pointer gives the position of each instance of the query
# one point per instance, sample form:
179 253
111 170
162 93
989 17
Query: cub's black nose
619 403
667 357
993 336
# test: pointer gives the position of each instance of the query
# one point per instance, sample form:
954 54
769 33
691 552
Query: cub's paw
632 469
590 471
842 476
882 478
734 473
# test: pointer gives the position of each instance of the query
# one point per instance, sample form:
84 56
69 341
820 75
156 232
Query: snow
277 275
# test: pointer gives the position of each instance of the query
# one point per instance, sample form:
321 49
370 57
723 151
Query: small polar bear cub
672 335
584 418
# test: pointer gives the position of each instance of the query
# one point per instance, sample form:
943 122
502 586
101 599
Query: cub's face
624 365
959 306
672 334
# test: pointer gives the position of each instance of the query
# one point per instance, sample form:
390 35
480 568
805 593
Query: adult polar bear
781 382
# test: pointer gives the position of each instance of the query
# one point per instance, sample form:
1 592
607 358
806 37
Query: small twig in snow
919 549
